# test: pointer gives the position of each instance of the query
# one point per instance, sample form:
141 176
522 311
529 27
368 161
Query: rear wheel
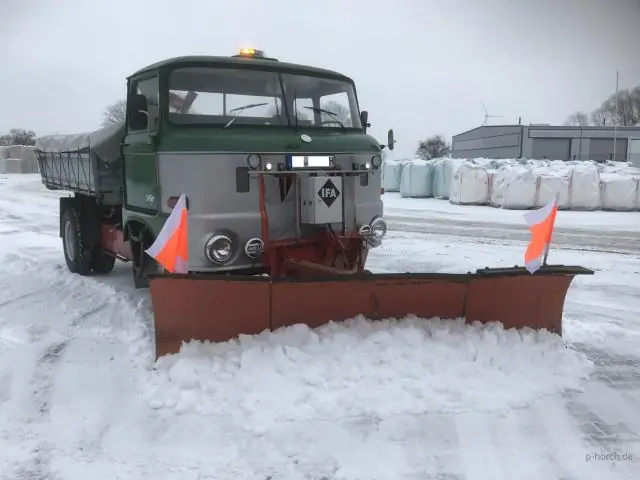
77 254
102 262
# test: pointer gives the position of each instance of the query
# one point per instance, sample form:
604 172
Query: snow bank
365 368
416 179
526 184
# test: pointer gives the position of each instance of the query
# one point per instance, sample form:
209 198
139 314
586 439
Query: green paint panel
264 140
141 175
153 222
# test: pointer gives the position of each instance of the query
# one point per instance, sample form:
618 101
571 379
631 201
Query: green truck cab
204 126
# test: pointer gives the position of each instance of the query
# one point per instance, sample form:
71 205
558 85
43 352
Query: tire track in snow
21 297
565 440
477 448
520 437
37 466
607 410
432 429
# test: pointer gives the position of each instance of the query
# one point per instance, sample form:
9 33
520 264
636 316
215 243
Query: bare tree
578 118
621 111
114 113
342 113
599 117
433 147
625 111
276 110
18 136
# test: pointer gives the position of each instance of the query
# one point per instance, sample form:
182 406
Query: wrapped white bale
443 169
584 192
469 185
494 163
617 191
416 179
514 187
551 183
391 176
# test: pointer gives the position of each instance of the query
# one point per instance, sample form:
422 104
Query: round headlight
376 161
219 249
268 166
253 161
379 228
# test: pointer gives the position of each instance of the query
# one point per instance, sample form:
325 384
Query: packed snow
297 374
517 183
81 396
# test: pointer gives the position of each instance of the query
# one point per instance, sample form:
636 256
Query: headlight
219 249
379 228
376 161
253 161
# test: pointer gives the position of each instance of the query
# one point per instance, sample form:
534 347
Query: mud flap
219 308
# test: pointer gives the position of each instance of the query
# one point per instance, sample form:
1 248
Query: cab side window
144 95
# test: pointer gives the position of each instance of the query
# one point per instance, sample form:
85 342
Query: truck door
139 148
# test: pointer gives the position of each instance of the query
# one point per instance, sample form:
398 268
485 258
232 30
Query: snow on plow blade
218 308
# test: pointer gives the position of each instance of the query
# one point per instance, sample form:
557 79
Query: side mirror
138 115
364 119
390 139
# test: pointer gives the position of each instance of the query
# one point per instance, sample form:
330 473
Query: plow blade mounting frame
217 308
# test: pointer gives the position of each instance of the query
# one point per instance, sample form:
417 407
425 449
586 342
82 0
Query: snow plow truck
284 201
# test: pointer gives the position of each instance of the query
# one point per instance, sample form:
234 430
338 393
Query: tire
77 254
102 263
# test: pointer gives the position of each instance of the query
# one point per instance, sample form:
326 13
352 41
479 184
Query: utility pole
615 122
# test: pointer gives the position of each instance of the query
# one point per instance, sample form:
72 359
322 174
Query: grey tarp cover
104 142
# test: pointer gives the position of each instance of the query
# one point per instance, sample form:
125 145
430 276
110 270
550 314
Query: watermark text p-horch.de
609 456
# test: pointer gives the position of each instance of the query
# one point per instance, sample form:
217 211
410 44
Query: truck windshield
204 95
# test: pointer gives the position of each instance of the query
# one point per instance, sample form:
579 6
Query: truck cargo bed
89 164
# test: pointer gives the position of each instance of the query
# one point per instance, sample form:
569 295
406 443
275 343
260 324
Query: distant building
549 142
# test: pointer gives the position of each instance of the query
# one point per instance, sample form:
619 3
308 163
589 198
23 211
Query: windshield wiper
241 109
328 112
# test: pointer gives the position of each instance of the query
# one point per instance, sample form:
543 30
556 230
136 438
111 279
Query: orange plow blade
219 308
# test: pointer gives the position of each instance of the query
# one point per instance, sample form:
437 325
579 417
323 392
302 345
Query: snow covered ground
80 396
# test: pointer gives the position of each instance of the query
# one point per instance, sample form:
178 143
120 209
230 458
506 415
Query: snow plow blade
218 308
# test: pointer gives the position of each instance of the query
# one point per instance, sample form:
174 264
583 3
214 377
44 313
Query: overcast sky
421 66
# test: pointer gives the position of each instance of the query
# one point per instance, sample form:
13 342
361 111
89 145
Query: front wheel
143 266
